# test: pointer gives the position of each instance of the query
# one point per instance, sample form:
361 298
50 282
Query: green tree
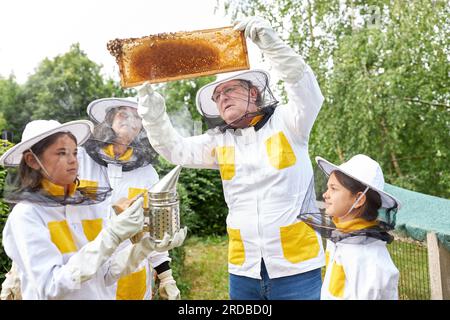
62 87
5 262
181 95
383 68
12 108
2 122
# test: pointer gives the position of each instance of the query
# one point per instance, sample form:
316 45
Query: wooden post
439 268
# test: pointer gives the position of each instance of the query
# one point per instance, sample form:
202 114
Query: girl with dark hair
358 264
55 234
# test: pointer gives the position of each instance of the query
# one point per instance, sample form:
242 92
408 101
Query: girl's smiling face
338 199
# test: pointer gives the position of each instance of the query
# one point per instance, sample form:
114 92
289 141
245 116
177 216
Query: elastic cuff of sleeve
165 276
162 267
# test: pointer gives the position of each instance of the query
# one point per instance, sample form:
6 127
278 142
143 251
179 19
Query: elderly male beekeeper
261 150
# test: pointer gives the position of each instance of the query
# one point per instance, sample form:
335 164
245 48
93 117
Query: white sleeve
371 275
192 152
156 258
123 263
305 101
27 242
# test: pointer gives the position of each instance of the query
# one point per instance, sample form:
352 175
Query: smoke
183 123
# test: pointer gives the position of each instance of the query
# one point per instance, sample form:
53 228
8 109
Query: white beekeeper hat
207 107
365 170
98 109
37 130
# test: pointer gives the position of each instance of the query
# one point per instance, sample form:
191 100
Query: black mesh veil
313 213
265 101
79 193
121 129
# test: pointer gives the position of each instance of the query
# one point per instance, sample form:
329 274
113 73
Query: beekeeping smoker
261 150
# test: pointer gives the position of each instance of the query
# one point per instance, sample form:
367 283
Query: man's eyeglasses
228 90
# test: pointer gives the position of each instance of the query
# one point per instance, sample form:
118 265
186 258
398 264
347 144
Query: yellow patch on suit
92 187
337 280
133 192
299 242
61 236
132 286
280 152
88 183
109 151
92 228
236 251
225 159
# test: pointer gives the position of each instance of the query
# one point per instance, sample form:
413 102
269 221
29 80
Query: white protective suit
137 285
61 252
265 173
359 268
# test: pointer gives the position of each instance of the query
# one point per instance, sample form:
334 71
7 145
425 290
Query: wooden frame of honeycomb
180 55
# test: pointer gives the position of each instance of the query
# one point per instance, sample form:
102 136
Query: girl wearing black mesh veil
119 147
32 181
118 135
358 263
55 234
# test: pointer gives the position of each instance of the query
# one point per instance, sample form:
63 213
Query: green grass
205 268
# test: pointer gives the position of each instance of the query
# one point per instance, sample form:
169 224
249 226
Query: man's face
234 99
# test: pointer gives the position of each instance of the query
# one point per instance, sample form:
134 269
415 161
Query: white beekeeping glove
151 105
284 59
11 286
129 259
168 289
84 264
129 222
166 243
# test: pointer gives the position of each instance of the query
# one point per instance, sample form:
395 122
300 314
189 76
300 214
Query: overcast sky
31 30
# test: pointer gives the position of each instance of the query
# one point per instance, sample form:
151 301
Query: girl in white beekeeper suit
57 234
358 264
119 146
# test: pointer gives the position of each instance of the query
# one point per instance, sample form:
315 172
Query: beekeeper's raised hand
151 105
288 64
129 222
259 31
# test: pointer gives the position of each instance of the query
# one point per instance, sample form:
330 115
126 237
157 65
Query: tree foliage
5 262
383 67
59 89
12 107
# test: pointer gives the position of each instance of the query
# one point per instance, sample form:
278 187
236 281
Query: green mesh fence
411 259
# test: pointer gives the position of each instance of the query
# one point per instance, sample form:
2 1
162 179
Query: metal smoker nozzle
168 183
